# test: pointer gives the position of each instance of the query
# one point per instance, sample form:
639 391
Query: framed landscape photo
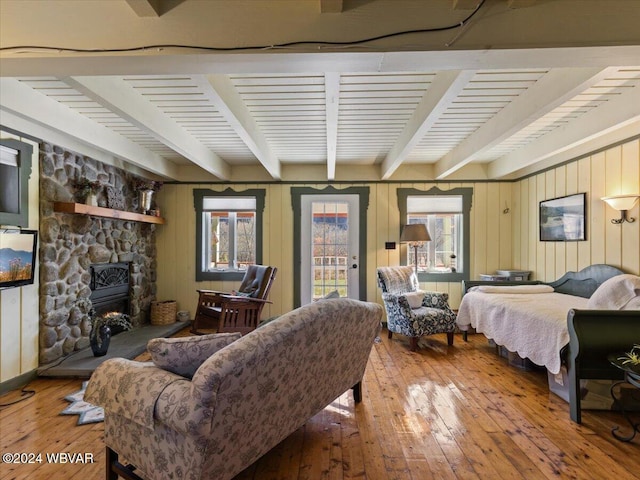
563 219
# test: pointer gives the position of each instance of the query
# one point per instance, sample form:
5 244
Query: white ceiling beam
38 109
222 93
146 8
445 87
551 91
613 115
331 6
21 123
332 106
597 143
121 98
152 63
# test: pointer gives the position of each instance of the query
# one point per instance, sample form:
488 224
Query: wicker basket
163 313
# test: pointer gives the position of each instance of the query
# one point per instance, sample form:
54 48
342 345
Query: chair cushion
330 295
437 300
253 280
245 294
415 298
397 280
183 355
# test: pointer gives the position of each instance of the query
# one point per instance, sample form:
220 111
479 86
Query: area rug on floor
88 413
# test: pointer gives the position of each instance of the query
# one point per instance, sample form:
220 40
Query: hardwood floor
442 412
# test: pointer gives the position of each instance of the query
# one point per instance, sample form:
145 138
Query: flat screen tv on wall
17 257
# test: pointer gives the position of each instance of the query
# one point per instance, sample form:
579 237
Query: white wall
19 317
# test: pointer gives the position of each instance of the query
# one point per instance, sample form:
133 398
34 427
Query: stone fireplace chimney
79 252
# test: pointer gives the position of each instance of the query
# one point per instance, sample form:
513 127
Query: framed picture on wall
563 219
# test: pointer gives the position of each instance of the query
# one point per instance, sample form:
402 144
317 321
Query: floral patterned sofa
245 396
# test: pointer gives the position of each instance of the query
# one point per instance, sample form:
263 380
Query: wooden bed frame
589 343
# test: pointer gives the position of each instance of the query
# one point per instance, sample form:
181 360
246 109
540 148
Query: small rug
88 413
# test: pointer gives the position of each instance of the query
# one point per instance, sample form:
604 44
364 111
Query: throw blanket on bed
534 326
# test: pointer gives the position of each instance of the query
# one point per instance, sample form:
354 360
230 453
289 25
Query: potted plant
146 188
631 359
141 184
102 326
86 190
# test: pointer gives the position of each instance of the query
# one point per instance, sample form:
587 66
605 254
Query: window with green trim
229 232
446 215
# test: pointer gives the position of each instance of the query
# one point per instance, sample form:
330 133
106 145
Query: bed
559 323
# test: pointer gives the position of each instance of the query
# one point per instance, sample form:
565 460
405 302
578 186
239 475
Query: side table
632 377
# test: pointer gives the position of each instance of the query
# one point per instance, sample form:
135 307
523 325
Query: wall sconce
623 203
415 235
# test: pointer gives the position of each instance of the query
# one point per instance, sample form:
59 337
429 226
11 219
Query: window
229 232
446 215
15 170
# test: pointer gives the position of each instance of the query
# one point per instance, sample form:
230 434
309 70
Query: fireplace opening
110 288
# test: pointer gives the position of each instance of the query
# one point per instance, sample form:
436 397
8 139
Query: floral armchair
410 311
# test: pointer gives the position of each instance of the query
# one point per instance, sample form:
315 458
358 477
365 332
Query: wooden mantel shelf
69 207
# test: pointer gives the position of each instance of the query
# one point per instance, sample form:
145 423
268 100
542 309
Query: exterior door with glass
329 247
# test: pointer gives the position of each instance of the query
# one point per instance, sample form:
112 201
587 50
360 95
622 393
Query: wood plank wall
19 321
504 228
490 232
610 172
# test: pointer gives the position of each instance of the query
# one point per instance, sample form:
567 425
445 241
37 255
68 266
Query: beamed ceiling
389 109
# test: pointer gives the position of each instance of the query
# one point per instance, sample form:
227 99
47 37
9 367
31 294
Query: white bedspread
533 325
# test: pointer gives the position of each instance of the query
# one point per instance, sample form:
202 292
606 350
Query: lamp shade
621 202
416 232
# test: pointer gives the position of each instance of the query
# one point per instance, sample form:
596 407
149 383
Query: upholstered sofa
243 399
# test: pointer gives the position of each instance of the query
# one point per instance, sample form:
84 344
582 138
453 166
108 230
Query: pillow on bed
514 288
633 304
415 298
618 293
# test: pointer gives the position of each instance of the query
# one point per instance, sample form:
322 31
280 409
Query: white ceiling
462 114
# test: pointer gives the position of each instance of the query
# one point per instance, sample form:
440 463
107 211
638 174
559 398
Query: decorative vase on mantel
92 200
145 200
99 339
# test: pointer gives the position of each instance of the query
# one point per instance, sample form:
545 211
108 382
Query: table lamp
415 235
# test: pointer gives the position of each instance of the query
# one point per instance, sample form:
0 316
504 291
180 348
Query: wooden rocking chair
236 311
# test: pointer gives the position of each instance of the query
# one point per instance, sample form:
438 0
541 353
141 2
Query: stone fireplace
79 252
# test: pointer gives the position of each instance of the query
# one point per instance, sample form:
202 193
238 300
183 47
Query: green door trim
296 203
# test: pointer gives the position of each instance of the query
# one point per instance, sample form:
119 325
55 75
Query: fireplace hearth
110 287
